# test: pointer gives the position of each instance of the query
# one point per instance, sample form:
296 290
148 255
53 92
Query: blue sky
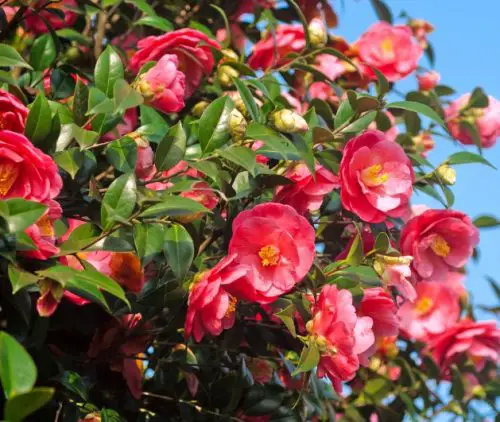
467 46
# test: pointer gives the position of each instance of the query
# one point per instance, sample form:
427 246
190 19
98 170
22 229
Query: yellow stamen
373 176
45 226
8 175
387 47
232 306
424 305
440 247
269 255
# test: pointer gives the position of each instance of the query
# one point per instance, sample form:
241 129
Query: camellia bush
208 212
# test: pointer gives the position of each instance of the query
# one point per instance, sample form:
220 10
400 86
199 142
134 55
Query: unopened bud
199 108
478 391
237 124
288 121
228 55
91 417
381 261
225 75
317 33
447 174
139 139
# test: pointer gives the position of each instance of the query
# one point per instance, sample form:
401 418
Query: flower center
8 175
424 305
232 306
387 47
374 176
440 246
45 226
269 255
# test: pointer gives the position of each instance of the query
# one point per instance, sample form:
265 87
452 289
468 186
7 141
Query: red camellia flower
13 113
339 334
435 310
479 341
486 120
390 49
34 23
163 85
440 241
428 80
191 47
25 171
306 194
376 177
273 48
278 244
211 308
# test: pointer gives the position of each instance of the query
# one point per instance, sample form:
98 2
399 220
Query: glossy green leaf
80 103
272 139
21 406
248 100
122 154
108 70
21 213
70 160
148 239
361 123
465 157
174 206
171 149
419 108
457 383
213 128
19 279
39 121
309 359
143 6
383 12
9 57
486 221
156 22
179 250
241 156
73 35
119 201
478 99
355 254
43 52
287 315
125 97
85 138
344 113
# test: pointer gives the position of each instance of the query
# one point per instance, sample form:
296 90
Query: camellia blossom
211 309
306 194
35 23
192 48
435 309
278 244
25 171
395 271
390 49
271 51
428 80
479 341
376 177
339 335
486 121
13 112
440 241
163 85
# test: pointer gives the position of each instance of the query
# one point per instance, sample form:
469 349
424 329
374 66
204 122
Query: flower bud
228 55
288 121
317 33
91 417
423 143
428 80
237 124
199 108
447 174
138 138
381 261
225 75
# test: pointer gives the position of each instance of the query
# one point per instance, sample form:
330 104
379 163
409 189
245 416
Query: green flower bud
288 121
447 174
237 124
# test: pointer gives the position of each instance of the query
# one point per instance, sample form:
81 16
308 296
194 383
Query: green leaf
472 130
156 22
143 6
241 156
309 359
383 86
171 149
19 279
17 369
19 407
70 160
125 97
486 221
80 102
362 123
382 242
99 103
432 192
174 206
420 108
465 157
344 113
302 19
287 316
478 99
122 154
179 250
248 100
227 39
9 57
108 70
43 52
322 135
72 35
39 121
102 281
21 213
374 391
457 383
272 139
119 201
148 239
85 138
213 129
382 11
355 255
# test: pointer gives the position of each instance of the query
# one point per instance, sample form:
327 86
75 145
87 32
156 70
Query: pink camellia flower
376 177
306 194
25 171
395 272
278 244
428 80
390 49
435 309
440 241
271 51
322 91
211 309
456 282
201 193
339 334
329 65
423 143
479 341
34 22
144 166
486 120
393 132
163 85
118 343
13 113
192 48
